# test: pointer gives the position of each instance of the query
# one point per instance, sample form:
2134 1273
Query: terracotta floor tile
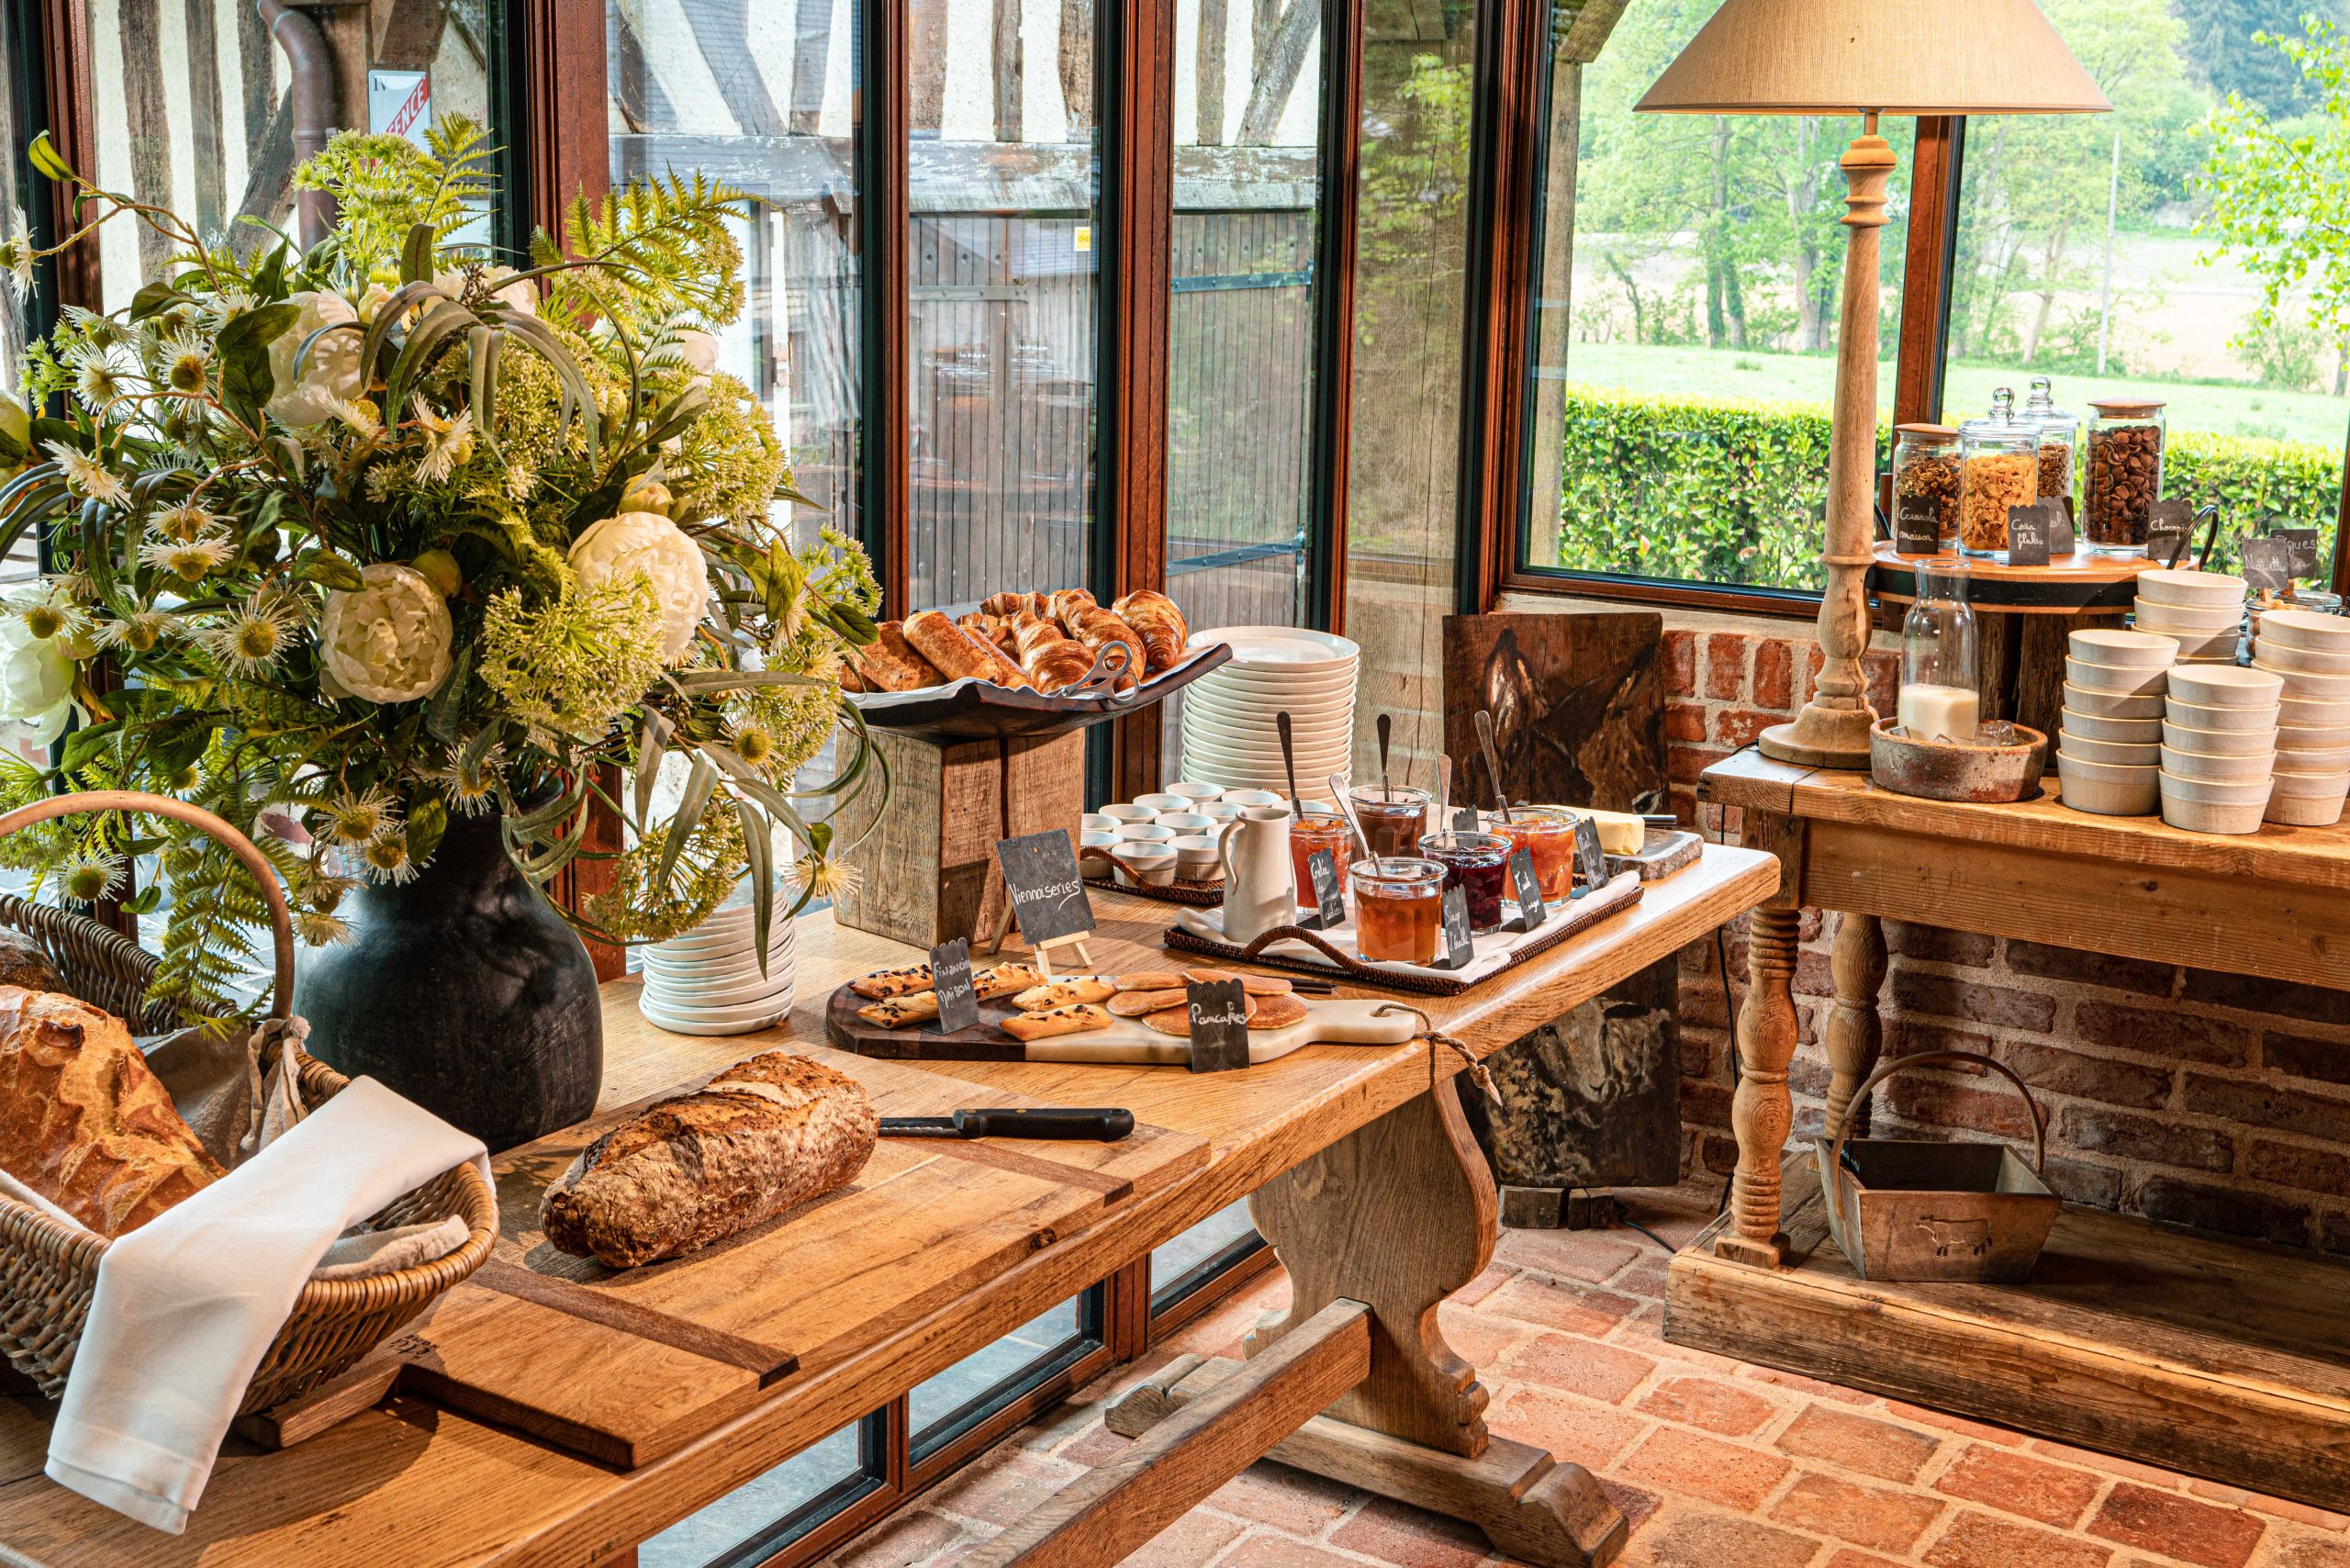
1411 1538
1189 1541
1480 1337
1495 1276
1637 1504
1591 1435
900 1541
1690 1464
1005 1490
1803 1385
1594 1256
1289 1500
2277 1507
1715 1404
2301 1548
1579 1366
1695 1540
1981 1431
1882 1517
1645 1279
1266 1549
1575 1309
1848 1558
2089 1459
2181 1527
1858 1442
1978 1541
2016 1484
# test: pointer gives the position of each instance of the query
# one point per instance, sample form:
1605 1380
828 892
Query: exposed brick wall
2188 1095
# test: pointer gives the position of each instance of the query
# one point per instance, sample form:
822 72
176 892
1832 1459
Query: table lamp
1864 57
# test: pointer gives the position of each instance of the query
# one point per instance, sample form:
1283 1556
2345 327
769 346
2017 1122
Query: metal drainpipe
312 97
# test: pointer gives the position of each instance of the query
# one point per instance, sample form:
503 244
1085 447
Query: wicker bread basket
47 1270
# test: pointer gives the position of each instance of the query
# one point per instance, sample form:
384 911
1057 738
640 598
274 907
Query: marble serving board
1345 1021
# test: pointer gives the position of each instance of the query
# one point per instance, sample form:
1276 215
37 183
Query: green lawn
2310 417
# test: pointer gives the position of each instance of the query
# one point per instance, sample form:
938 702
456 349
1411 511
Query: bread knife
1101 1124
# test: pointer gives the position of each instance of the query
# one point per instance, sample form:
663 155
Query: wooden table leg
1398 1216
1760 1113
1854 1034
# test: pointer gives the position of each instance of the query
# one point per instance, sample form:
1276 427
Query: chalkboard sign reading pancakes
1048 895
1219 1019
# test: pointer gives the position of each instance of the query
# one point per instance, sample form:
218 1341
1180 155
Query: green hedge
1698 490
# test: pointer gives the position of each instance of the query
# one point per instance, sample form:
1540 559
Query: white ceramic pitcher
1260 885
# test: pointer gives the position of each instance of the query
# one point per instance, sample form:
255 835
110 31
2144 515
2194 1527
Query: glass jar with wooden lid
1999 467
2059 439
2125 474
1925 483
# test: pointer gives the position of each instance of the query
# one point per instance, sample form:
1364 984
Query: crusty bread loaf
889 664
764 1135
84 1121
959 652
25 962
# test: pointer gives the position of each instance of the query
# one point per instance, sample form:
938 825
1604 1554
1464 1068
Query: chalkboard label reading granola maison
1219 1017
1917 525
950 978
1047 895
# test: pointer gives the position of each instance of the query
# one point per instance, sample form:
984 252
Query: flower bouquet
350 543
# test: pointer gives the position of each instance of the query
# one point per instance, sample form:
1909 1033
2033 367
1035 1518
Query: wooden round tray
2068 582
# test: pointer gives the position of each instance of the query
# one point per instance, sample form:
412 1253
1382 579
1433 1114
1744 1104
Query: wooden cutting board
1347 1021
627 1365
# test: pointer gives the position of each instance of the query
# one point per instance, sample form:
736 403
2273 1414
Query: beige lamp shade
1824 57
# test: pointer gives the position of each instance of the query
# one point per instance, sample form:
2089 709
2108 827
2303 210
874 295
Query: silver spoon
1347 810
1386 733
1289 760
1493 759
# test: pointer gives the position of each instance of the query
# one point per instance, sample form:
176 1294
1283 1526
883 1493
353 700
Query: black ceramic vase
464 990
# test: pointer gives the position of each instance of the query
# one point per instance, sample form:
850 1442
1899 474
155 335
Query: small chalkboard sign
2169 524
1464 820
2062 538
950 976
1330 898
1527 888
1591 860
1917 525
1454 947
1048 895
1219 1019
2028 542
2303 544
2268 564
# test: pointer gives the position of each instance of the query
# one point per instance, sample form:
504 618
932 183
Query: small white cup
1164 802
1188 823
1311 808
1247 798
1196 859
1145 832
1195 793
1221 812
1090 862
1154 867
1097 822
1125 814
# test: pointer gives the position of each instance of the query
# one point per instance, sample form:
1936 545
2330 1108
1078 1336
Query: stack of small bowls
1173 836
2219 747
2108 744
2201 611
707 980
2308 652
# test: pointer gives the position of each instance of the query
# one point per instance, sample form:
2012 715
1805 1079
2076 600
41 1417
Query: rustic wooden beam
72 129
1925 278
1113 1509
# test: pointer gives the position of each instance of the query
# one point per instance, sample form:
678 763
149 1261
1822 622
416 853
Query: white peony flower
16 437
329 374
387 642
521 297
36 683
647 544
698 351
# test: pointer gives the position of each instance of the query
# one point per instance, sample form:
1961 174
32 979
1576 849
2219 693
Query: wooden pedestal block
929 869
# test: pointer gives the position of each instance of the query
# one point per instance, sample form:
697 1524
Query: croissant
1031 633
1160 624
989 628
1059 664
1098 628
1011 605
1066 602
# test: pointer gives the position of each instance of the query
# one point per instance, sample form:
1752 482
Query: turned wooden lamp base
1816 738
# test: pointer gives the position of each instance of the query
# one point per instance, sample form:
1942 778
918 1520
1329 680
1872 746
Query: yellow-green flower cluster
578 661
636 910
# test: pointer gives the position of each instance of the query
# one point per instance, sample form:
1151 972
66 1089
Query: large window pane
1241 384
1192 1259
1689 274
763 97
1002 341
755 1520
942 1408
2131 254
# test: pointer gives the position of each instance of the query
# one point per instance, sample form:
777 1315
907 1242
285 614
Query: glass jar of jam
1475 863
1313 831
1398 904
1547 834
1392 820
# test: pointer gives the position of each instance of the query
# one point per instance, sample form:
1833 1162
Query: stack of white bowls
2310 653
1229 735
2201 611
2219 747
708 981
2109 741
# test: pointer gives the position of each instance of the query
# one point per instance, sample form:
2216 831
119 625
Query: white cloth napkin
187 1304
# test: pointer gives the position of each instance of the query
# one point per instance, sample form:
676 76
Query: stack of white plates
1229 735
2311 655
2219 747
2109 744
708 981
2201 611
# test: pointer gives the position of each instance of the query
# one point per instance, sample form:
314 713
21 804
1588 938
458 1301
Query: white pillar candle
1939 713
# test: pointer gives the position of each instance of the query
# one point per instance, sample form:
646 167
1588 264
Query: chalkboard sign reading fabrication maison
1219 1018
1527 888
2268 564
1330 898
950 978
1048 895
1917 525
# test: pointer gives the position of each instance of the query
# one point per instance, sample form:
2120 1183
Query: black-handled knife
1103 1123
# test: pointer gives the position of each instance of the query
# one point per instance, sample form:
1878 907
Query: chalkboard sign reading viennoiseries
1219 1019
1047 895
950 978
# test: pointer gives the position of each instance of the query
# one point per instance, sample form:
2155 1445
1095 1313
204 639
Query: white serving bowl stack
2108 740
1229 732
2310 655
708 981
2219 747
2201 611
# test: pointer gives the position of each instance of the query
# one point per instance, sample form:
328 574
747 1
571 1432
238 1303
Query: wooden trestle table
2226 1360
548 1414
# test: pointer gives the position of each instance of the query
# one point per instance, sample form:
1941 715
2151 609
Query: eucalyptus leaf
758 851
699 785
